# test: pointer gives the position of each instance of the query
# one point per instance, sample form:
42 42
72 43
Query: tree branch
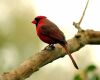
44 57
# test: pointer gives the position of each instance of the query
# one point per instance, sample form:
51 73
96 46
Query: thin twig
77 25
83 12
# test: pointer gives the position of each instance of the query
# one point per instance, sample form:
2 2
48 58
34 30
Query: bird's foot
50 47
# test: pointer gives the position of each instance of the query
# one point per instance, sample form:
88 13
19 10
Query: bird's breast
44 38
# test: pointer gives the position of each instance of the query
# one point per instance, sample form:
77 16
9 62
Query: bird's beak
34 22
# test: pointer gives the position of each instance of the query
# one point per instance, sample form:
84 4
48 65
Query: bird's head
37 19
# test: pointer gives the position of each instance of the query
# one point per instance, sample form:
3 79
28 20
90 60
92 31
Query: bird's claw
49 47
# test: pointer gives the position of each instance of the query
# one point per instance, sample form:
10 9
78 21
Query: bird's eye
37 19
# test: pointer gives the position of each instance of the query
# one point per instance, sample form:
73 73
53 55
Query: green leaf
90 68
77 77
95 78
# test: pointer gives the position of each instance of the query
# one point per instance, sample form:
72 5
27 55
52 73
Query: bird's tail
73 61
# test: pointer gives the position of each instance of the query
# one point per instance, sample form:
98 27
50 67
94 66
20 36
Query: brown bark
44 57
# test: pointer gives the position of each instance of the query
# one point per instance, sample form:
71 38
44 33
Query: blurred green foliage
88 74
90 68
77 77
18 38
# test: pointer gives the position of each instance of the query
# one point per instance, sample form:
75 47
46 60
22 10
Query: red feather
49 33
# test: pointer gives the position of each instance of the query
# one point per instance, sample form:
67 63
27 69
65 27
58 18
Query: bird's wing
53 32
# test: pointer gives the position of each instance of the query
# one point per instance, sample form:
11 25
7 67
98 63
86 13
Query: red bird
49 33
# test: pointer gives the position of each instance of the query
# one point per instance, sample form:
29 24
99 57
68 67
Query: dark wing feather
50 30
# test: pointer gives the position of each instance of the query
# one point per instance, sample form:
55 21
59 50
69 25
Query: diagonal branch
35 62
